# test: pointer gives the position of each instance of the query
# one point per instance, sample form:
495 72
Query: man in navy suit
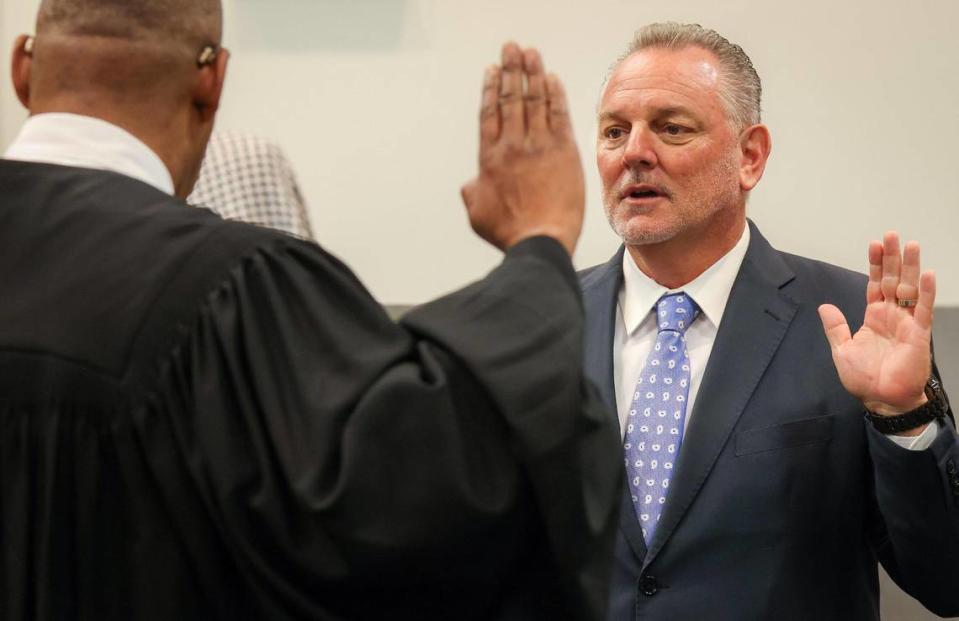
769 467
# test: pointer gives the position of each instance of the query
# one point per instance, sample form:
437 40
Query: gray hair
740 88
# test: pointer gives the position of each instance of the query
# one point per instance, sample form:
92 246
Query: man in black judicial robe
205 419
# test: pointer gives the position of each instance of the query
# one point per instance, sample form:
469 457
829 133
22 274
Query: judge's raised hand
888 361
530 179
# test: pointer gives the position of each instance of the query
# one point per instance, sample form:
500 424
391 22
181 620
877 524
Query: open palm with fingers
530 179
887 362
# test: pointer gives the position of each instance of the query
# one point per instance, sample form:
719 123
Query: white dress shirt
636 330
88 142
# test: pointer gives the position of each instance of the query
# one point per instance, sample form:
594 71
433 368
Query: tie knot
675 311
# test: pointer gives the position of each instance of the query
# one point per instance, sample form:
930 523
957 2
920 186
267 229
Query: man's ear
20 65
755 144
208 86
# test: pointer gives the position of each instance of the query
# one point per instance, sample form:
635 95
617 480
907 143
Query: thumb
834 325
468 193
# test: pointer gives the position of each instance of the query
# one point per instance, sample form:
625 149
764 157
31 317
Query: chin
636 233
646 238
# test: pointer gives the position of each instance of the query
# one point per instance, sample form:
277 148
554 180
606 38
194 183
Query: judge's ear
20 65
208 84
755 144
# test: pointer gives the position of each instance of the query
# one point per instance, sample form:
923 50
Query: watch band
933 409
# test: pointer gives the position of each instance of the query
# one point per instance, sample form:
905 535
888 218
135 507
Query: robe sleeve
455 465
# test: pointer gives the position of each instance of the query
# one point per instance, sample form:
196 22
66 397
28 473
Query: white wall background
375 102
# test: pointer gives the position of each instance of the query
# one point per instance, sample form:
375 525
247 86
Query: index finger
489 107
874 288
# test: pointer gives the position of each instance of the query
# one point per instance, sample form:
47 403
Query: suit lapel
758 313
600 293
600 296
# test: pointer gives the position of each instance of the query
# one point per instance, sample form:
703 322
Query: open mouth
642 191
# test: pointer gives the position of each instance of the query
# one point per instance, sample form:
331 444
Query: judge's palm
888 361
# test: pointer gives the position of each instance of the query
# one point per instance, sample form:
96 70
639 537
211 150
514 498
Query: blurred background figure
248 178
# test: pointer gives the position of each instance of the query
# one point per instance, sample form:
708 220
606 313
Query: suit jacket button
951 468
648 585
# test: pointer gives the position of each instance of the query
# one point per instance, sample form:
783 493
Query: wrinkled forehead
689 77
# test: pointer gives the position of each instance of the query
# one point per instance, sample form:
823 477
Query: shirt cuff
918 443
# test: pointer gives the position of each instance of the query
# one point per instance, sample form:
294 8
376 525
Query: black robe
203 419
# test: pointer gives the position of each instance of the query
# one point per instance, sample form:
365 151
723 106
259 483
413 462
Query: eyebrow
668 111
608 116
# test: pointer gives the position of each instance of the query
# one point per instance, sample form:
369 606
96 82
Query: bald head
119 50
134 63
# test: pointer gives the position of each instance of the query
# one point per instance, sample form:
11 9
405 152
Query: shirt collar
710 290
88 142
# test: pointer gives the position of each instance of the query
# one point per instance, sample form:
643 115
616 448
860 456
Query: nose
640 151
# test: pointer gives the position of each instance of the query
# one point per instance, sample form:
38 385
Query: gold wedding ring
907 303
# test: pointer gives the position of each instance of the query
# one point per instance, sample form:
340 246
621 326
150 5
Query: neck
680 260
165 132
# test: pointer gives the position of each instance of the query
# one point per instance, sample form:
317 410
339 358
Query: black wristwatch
934 409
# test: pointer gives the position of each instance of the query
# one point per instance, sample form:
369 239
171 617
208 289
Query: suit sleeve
456 465
918 498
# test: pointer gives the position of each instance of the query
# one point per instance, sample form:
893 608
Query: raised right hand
530 179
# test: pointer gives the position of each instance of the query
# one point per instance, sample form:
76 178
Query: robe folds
206 419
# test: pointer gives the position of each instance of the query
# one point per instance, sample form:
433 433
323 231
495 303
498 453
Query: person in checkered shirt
248 178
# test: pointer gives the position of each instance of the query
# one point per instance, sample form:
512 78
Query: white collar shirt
636 328
88 142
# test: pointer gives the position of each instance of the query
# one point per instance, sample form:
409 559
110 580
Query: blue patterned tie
654 427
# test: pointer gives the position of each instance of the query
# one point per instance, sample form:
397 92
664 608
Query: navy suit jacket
784 498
